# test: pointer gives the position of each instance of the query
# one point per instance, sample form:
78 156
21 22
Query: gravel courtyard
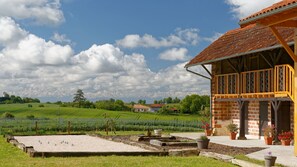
75 143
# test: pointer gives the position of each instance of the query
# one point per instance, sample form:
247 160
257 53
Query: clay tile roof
156 105
139 106
240 42
277 7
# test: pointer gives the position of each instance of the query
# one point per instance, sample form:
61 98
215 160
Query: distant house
141 108
155 107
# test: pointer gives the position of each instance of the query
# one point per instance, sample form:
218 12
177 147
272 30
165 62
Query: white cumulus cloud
175 54
32 66
180 37
213 38
44 12
244 8
60 38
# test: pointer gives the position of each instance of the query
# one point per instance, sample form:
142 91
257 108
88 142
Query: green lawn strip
255 161
14 157
54 111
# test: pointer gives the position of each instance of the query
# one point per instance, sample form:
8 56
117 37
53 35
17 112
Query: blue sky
128 49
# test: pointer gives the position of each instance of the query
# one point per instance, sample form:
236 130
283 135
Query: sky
129 50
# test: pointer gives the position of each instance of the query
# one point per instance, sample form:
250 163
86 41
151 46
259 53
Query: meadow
53 118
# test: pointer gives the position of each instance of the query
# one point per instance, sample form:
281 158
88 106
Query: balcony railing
277 82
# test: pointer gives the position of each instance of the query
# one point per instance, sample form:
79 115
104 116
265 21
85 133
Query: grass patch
55 111
11 156
255 161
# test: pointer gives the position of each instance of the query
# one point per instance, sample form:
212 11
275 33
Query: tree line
191 104
12 99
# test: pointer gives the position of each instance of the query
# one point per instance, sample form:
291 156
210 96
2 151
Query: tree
79 97
191 104
169 100
6 95
176 100
141 101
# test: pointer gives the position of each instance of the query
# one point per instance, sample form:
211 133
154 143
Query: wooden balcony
267 83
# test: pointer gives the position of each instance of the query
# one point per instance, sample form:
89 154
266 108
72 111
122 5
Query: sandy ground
75 143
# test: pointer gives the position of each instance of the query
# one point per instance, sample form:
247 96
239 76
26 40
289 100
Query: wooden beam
278 19
232 66
266 60
275 104
209 73
278 56
283 42
289 23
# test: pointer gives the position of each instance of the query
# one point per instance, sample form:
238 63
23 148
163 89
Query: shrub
232 127
8 115
30 105
203 137
41 105
30 117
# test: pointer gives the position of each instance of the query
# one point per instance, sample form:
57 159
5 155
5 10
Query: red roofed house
140 108
254 71
155 107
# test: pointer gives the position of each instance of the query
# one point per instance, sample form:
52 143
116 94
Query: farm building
254 73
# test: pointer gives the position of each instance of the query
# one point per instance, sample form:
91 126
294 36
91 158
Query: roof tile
240 41
275 6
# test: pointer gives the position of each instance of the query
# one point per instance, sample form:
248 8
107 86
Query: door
263 117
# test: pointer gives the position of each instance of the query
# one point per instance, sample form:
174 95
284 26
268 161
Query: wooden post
241 121
275 104
36 127
295 94
68 127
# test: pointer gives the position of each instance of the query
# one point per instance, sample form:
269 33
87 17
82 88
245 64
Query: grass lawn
12 156
54 111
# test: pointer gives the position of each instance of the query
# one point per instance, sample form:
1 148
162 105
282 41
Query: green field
54 111
11 156
53 118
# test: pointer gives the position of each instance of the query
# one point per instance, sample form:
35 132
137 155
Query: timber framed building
254 73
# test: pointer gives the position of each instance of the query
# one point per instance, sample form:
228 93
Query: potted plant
285 138
158 132
269 133
203 142
232 128
269 159
207 128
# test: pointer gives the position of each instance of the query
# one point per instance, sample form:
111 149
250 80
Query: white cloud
60 38
180 37
244 8
10 31
44 12
23 50
175 54
213 38
32 66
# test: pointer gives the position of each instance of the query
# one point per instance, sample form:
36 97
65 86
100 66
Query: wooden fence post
68 127
36 127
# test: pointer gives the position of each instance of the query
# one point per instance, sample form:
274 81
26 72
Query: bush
8 115
30 117
41 105
232 127
30 105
